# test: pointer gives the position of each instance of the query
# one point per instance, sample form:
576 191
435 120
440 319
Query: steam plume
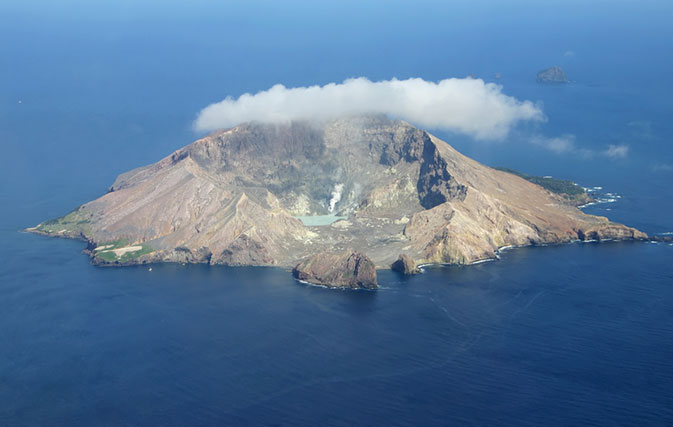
336 197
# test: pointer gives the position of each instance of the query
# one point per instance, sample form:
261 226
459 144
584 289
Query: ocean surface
580 334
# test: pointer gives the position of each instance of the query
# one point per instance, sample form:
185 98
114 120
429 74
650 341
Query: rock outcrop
245 251
553 75
346 269
239 192
405 265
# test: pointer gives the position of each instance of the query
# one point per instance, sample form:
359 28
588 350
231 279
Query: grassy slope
77 223
563 187
108 255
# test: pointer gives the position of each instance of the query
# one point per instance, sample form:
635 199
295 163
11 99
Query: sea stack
346 269
405 265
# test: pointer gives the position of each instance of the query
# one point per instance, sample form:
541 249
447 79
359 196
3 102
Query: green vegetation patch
119 243
129 256
558 186
107 256
76 221
105 251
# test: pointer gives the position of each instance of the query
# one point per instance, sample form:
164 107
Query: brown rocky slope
234 196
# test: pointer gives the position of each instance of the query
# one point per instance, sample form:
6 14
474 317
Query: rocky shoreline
344 270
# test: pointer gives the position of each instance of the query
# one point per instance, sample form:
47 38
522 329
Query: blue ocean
580 334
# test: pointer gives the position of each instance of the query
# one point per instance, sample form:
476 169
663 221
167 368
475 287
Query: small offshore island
333 200
553 75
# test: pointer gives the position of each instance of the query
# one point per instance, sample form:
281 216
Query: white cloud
559 144
566 144
616 151
469 106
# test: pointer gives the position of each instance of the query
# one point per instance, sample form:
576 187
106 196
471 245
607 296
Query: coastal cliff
274 195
